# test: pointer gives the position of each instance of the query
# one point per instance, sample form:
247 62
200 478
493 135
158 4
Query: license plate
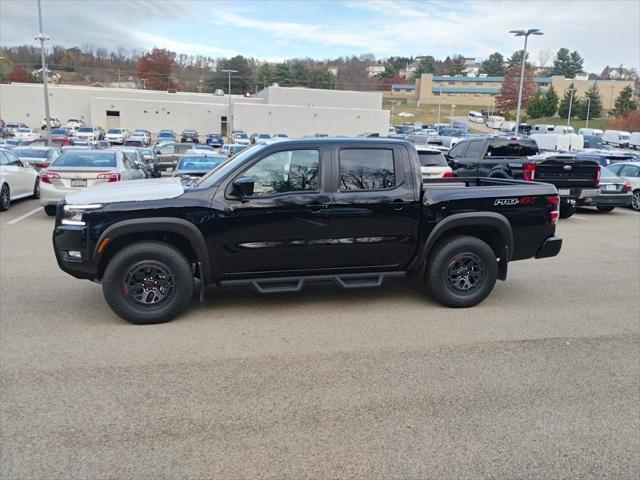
79 182
564 191
610 188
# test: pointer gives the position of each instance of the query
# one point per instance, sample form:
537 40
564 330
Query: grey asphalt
539 381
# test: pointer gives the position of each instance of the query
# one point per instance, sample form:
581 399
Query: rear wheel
635 200
5 198
462 271
605 209
50 210
148 282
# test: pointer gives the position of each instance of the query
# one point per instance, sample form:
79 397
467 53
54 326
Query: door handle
317 207
398 204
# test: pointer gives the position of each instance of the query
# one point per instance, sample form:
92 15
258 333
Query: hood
128 191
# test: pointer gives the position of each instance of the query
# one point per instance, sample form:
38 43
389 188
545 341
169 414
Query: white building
374 70
295 111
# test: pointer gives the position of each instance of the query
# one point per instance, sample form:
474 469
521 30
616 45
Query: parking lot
539 381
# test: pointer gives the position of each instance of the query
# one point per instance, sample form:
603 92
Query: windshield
199 162
114 130
85 129
139 132
165 134
218 174
30 153
625 136
86 159
241 135
604 173
59 131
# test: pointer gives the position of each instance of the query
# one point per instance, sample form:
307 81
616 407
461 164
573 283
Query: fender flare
481 219
178 226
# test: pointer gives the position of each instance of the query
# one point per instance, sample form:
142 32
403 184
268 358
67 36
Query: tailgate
568 172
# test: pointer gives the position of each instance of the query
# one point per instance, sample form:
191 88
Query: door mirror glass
242 187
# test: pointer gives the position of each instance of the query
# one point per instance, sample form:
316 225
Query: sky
602 31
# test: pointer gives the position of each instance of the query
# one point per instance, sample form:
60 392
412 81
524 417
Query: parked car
28 134
476 117
433 163
542 128
562 129
143 135
169 153
116 135
12 127
74 124
281 135
617 138
189 136
150 158
215 140
230 149
165 136
405 114
269 212
18 179
53 123
634 140
240 138
259 138
613 191
596 132
495 121
197 165
101 144
630 172
37 157
134 142
136 157
77 169
606 158
519 158
89 134
204 148
595 141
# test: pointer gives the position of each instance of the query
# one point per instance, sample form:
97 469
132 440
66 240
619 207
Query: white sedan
405 114
26 134
17 180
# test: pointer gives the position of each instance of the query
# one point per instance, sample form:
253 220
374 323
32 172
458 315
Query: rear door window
366 169
459 150
475 150
629 171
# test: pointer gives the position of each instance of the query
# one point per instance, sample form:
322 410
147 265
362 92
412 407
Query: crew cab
279 215
519 158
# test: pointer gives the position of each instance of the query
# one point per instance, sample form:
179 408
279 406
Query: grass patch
424 113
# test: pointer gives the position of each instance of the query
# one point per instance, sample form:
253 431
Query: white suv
53 123
116 135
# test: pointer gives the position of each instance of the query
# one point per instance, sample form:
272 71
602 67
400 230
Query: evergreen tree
537 107
241 82
576 104
298 74
593 108
265 75
427 65
562 63
625 103
390 71
551 102
576 64
494 65
515 60
457 65
282 75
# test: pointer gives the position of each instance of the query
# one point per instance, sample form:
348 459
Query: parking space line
579 218
22 217
627 212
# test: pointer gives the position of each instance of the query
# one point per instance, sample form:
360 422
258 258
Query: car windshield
30 152
452 132
165 134
604 173
146 152
205 147
139 132
432 159
86 159
264 135
218 174
85 129
58 131
23 130
241 135
625 136
199 162
114 130
189 132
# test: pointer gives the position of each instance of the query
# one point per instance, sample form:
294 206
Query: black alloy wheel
465 272
148 284
5 198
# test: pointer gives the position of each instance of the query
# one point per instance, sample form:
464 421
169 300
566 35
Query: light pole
229 122
588 110
439 100
572 90
525 34
45 77
453 109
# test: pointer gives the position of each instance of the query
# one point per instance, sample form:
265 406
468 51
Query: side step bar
295 284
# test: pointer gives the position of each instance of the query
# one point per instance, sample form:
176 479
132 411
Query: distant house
375 70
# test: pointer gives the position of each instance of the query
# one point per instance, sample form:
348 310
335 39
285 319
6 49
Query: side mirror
242 187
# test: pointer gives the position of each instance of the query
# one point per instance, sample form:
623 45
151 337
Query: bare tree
544 56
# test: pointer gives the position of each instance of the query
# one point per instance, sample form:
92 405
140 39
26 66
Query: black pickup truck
276 216
520 158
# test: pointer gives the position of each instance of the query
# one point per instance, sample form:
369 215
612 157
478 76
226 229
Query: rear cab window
512 148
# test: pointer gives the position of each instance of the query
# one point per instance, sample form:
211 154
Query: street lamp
439 100
229 123
453 110
572 90
45 77
525 34
588 110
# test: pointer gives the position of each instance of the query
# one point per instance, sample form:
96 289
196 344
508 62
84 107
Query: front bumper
68 242
550 248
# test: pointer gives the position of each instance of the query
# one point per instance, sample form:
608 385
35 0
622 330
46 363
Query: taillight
554 201
44 165
448 174
598 172
45 177
627 187
529 172
110 176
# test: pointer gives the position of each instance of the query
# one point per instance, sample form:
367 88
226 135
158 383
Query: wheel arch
177 232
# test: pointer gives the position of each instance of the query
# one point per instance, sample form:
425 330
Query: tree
537 107
241 82
19 74
282 74
544 56
507 99
155 68
6 67
389 71
625 103
576 103
265 75
567 64
629 122
515 60
551 102
494 65
427 65
593 108
457 65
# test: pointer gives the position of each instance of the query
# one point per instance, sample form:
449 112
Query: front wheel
462 271
635 200
50 210
605 209
148 282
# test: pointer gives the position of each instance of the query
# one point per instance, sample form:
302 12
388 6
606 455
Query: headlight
72 214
